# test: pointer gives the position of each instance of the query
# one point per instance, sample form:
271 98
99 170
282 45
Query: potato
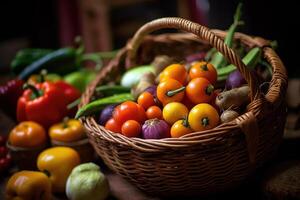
233 98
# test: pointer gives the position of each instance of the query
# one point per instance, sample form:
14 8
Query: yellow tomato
174 111
58 163
203 117
67 131
180 128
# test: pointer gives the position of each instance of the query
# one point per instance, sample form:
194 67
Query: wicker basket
201 162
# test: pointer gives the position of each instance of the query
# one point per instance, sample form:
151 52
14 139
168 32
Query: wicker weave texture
201 162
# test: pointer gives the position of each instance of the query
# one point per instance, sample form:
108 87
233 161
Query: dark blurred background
107 24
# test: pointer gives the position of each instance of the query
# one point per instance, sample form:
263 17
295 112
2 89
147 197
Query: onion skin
155 129
106 114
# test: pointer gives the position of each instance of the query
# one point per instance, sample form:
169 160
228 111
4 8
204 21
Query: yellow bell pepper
57 163
28 185
68 131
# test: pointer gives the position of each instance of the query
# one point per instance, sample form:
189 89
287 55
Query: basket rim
208 137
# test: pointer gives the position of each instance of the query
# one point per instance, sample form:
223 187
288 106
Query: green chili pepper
250 60
218 60
108 90
99 104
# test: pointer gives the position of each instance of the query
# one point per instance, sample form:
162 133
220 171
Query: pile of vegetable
171 99
40 99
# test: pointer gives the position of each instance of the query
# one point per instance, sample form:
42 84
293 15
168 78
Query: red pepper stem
174 92
36 93
43 75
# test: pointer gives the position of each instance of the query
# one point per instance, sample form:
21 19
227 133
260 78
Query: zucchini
25 57
61 61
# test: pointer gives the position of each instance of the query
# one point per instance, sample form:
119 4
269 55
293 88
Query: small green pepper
99 104
80 79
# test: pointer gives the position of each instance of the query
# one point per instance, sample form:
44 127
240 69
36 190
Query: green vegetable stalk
99 104
250 60
218 60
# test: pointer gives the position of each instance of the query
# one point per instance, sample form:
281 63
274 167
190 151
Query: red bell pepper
71 94
44 103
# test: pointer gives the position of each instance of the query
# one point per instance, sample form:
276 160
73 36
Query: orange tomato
174 71
146 100
165 91
203 117
129 110
180 128
199 90
131 128
154 112
28 134
204 70
113 126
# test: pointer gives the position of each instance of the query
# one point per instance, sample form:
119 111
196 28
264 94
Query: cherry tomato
129 110
3 139
199 90
131 128
180 128
146 100
3 151
154 112
174 71
174 111
5 163
113 126
203 117
204 70
165 91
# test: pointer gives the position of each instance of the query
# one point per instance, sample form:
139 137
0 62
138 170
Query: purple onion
155 129
234 80
106 114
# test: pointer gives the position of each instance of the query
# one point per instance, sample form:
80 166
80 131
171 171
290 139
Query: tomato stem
205 121
209 89
171 93
35 92
65 122
204 67
185 122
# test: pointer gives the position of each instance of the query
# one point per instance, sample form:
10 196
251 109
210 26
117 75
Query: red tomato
129 110
154 112
146 100
131 128
3 151
113 126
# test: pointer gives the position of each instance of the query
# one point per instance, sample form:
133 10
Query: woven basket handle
202 32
